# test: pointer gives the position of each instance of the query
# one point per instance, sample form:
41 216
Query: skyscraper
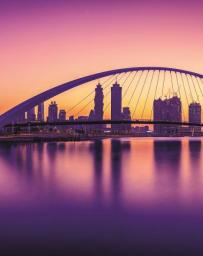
40 112
98 103
97 114
167 110
116 104
31 115
62 115
195 115
53 112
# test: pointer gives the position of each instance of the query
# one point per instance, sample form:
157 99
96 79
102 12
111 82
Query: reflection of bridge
109 121
192 79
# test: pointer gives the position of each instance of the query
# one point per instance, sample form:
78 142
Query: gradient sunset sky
45 43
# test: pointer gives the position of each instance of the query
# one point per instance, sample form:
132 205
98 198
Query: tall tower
98 103
40 112
53 112
195 115
116 104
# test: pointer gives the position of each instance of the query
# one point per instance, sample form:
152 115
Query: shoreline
38 138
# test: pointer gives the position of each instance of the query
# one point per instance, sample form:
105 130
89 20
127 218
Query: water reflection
195 150
167 156
62 191
62 147
96 148
52 151
107 170
19 157
195 165
167 171
70 208
118 148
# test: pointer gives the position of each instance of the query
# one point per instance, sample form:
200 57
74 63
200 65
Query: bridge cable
93 98
194 88
89 102
172 83
140 94
129 84
155 93
77 104
135 87
199 86
180 94
201 80
189 88
184 89
163 84
150 85
117 79
110 91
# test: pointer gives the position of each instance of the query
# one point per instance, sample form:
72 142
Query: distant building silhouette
62 115
31 116
91 116
99 103
82 118
71 118
98 112
126 115
116 105
40 112
53 112
167 110
21 118
83 126
158 114
195 115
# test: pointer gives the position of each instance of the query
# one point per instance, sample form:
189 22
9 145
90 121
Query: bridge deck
108 121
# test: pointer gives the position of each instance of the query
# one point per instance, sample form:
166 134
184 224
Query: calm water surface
122 196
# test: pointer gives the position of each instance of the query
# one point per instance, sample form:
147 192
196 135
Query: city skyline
145 82
168 109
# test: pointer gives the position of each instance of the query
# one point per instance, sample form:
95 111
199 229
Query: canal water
102 197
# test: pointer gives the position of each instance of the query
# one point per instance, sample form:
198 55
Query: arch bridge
187 84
